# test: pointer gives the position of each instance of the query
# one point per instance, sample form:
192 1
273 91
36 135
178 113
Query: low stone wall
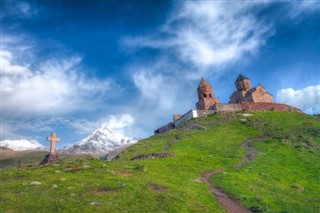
165 128
226 107
248 106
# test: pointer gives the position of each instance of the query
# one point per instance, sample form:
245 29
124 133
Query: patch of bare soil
105 190
155 187
72 169
251 152
124 174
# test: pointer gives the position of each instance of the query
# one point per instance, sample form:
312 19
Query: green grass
286 174
283 178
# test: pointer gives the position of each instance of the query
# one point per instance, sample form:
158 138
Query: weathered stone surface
50 159
247 106
205 95
245 93
226 107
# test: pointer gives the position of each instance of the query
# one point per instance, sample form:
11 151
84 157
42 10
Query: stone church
245 98
244 93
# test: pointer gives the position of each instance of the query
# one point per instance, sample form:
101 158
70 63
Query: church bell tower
243 83
205 96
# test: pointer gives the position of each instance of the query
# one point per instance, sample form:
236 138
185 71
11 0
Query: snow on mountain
22 145
99 143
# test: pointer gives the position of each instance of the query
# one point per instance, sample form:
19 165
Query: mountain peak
99 143
22 145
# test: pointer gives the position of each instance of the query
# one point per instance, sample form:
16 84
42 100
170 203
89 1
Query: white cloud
7 132
39 95
208 33
19 9
118 122
50 88
157 90
8 68
307 99
303 7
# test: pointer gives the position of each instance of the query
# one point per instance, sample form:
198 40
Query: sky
74 66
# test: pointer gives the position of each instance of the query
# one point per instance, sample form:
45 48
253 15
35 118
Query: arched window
205 95
210 95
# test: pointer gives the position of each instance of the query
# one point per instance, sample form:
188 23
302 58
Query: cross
53 140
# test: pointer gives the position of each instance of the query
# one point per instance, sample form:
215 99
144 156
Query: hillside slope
280 175
9 158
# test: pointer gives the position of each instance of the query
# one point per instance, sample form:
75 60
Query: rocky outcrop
152 155
50 159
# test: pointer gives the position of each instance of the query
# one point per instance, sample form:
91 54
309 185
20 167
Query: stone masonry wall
226 107
249 106
165 128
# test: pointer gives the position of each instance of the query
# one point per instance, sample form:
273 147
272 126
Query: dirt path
226 202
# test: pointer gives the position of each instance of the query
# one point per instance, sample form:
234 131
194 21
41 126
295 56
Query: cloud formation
19 9
303 7
306 99
208 34
50 88
39 94
118 122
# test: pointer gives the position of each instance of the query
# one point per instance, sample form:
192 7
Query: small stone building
206 96
245 93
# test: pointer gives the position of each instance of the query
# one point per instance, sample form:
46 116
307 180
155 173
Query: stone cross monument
53 140
52 157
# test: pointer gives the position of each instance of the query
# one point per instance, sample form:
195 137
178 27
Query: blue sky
74 66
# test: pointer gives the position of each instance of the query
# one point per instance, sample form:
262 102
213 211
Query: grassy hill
9 158
268 161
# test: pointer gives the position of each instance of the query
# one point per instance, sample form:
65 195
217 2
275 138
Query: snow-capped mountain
22 145
99 143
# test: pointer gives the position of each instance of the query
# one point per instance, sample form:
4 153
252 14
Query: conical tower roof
241 77
203 83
